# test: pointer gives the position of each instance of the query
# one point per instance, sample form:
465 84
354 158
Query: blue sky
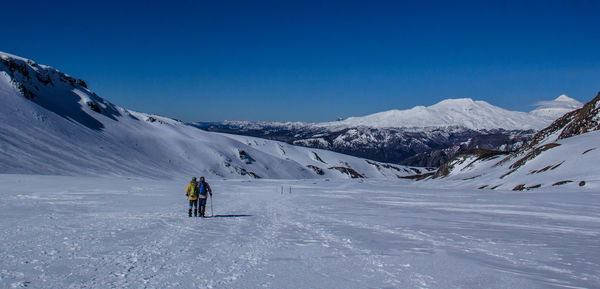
311 60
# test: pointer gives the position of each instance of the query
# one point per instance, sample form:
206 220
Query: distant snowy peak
562 101
552 110
462 112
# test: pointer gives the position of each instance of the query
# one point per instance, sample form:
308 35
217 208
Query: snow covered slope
51 123
566 153
74 232
464 112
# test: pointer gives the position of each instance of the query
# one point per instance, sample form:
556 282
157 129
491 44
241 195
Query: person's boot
190 212
196 213
202 212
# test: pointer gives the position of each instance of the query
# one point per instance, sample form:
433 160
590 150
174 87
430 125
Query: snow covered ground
81 232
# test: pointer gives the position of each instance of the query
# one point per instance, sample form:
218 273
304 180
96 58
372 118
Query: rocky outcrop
348 171
466 159
583 120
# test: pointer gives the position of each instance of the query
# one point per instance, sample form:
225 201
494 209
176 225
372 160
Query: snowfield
82 232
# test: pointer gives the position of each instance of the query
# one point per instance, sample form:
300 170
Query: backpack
193 190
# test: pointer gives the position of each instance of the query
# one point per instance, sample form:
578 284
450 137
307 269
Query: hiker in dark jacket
203 191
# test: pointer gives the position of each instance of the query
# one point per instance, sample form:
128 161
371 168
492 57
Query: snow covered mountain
421 136
51 123
464 112
564 153
552 110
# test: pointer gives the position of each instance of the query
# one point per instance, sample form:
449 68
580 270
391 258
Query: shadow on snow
229 216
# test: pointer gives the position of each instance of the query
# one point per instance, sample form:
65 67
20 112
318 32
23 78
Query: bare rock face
348 171
584 119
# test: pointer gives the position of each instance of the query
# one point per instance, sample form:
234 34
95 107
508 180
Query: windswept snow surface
81 232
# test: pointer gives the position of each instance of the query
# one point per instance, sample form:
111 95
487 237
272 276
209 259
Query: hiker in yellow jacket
192 192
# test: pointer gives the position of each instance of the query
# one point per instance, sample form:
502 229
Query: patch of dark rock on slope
479 154
348 171
316 169
244 156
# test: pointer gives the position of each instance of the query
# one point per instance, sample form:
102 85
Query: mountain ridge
465 112
51 123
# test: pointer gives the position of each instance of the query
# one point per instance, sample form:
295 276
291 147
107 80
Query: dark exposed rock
245 172
584 119
349 171
94 107
16 66
562 183
81 82
532 154
587 151
316 169
26 92
478 154
507 141
418 177
317 157
557 165
44 78
519 187
244 156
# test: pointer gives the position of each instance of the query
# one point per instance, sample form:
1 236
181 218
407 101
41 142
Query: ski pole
211 208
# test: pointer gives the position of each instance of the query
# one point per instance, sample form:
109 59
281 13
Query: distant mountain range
52 123
421 136
463 112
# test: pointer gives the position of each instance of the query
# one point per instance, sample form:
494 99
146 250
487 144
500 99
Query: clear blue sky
311 60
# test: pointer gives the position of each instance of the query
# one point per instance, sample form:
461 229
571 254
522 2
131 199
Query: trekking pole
211 208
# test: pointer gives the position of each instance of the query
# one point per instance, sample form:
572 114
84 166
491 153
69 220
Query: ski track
72 232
